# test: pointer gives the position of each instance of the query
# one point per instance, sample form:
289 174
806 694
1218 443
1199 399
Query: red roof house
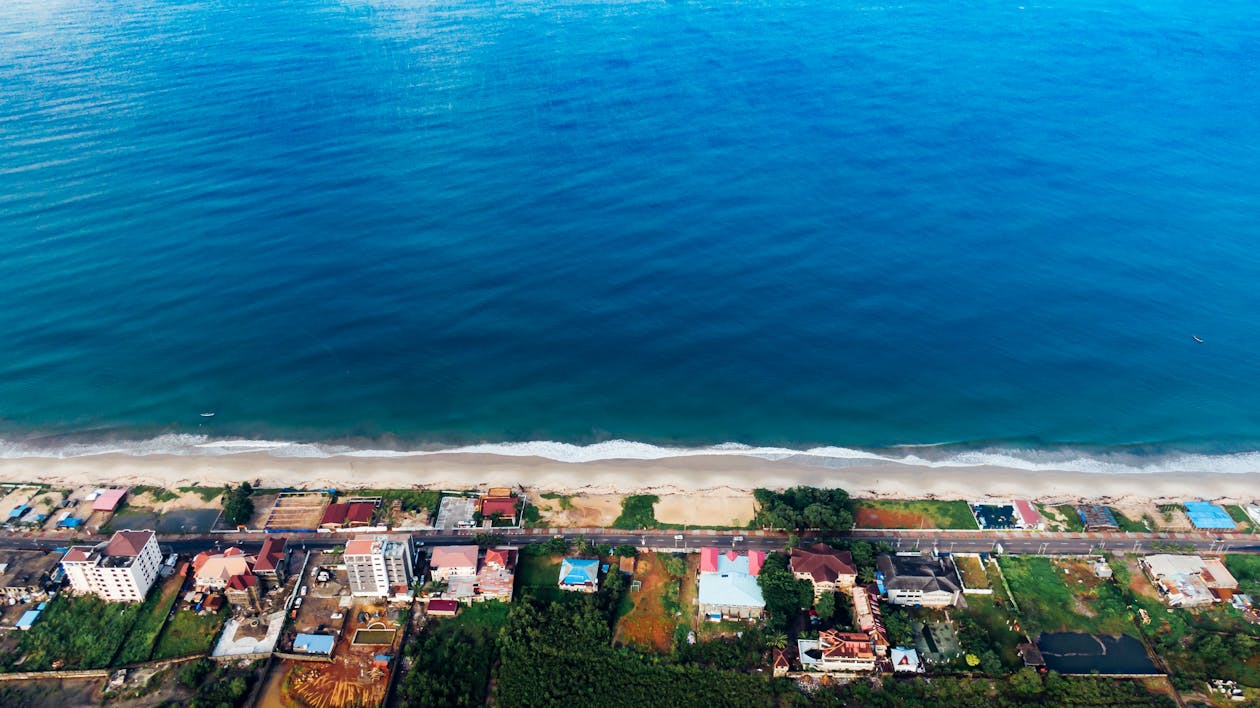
271 556
1030 515
502 506
109 500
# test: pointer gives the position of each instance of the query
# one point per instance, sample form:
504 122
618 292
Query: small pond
1076 653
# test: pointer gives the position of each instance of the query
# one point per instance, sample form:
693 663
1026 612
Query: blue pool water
389 224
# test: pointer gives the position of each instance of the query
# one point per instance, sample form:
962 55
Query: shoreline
696 474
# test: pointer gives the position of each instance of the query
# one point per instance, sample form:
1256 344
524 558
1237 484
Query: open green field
539 576
1239 515
912 514
972 571
638 512
1127 524
1246 570
1052 600
189 633
490 614
149 621
81 632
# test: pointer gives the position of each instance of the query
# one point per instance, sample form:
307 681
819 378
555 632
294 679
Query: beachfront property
498 505
494 579
119 570
27 575
995 517
446 562
1096 517
1209 517
1029 517
271 559
728 584
579 574
349 514
917 580
837 651
1189 581
827 569
107 500
381 566
295 512
230 572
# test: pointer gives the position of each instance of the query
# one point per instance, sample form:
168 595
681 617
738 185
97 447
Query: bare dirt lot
581 511
648 624
702 510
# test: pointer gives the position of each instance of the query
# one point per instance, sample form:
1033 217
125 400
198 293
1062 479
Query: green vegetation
784 595
238 508
216 686
801 508
189 633
1246 570
452 659
159 494
566 501
926 513
972 572
537 576
1239 515
1127 524
73 633
637 512
1071 519
1167 510
1051 600
206 493
1025 688
413 500
531 516
152 615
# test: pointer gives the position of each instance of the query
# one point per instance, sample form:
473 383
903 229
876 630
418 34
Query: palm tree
777 640
866 576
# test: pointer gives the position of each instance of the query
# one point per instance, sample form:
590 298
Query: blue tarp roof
1209 516
19 511
314 643
71 523
28 618
579 571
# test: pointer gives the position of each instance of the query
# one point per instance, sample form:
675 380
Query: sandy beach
710 475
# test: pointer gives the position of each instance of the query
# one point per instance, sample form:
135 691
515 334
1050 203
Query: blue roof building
1209 516
579 574
314 644
70 523
28 618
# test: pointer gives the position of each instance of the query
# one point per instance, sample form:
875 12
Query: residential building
442 608
728 587
1189 581
453 561
917 580
906 661
779 663
108 500
271 559
497 576
27 575
838 651
579 574
826 568
230 572
380 566
348 515
869 619
503 507
119 570
321 644
1029 517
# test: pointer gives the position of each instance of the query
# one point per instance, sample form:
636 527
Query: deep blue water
776 223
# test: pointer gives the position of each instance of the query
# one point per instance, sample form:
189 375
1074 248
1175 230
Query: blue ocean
954 231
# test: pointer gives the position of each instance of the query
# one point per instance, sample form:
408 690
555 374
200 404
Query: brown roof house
826 568
270 563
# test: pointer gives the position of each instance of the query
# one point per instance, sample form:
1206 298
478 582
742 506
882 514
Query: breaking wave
1101 460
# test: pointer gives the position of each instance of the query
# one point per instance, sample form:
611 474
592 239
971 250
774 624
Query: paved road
945 541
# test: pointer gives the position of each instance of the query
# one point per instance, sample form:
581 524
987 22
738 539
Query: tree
777 640
801 508
488 540
1026 682
603 549
626 551
863 553
783 594
826 606
238 507
866 575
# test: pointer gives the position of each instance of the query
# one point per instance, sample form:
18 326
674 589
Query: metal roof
1209 516
314 643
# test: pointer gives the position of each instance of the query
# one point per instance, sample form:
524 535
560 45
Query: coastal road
942 541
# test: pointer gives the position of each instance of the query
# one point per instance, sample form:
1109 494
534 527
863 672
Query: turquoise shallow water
404 224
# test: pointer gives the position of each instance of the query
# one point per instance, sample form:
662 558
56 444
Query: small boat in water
1200 341
207 415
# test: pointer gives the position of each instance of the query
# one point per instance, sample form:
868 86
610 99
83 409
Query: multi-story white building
380 566
120 570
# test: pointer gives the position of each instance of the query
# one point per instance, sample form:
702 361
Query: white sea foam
1117 461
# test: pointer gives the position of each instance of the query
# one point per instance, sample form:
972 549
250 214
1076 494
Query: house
779 663
869 619
381 566
442 608
27 620
906 661
579 574
119 570
917 580
728 584
497 576
347 514
27 575
1096 517
230 572
826 568
1189 581
446 562
108 500
1028 515
626 564
321 644
270 562
503 507
838 651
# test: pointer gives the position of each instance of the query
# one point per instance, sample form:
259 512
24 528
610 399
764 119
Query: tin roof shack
1204 515
26 575
1189 581
1096 517
108 500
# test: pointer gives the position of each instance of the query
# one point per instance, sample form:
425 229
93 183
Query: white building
120 570
448 562
380 566
919 581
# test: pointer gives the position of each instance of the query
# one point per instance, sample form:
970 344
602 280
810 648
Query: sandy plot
185 501
579 510
704 510
1136 509
16 498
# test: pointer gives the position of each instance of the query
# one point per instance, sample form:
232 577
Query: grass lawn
152 615
1071 520
1127 524
912 514
993 617
189 633
158 493
972 571
1246 569
81 632
491 614
1051 600
539 576
1240 517
637 512
206 493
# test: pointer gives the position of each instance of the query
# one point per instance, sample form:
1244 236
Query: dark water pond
1075 653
